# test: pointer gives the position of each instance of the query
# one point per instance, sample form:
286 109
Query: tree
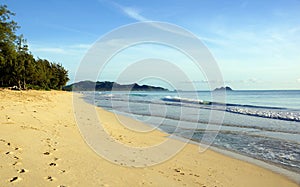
17 64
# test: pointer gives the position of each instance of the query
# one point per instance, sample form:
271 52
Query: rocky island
227 88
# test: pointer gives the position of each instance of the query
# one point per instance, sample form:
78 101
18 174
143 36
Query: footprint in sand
46 153
22 171
52 164
178 170
9 144
62 171
161 172
50 143
14 179
49 178
8 120
16 163
13 155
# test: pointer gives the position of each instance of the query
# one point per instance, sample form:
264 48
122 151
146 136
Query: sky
256 44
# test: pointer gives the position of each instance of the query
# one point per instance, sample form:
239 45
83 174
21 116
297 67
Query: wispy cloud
134 13
131 12
203 82
58 50
269 45
195 82
81 46
49 50
247 81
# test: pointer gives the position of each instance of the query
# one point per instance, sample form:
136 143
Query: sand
41 145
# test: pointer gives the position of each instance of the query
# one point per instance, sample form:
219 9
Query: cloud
81 46
65 50
131 12
135 13
50 50
195 82
203 82
298 80
255 40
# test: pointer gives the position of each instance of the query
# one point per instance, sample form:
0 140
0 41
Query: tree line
18 67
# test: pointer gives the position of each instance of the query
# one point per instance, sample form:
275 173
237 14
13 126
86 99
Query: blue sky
255 43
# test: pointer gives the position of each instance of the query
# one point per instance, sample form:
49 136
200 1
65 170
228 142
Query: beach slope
41 145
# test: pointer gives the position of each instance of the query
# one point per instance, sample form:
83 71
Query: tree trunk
24 85
19 84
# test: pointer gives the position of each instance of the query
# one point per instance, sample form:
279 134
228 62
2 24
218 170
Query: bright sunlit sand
40 145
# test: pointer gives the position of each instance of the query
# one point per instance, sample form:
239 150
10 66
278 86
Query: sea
264 125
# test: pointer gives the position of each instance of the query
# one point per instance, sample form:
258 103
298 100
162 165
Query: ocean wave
109 95
205 122
185 100
251 110
202 102
251 130
278 152
282 115
138 94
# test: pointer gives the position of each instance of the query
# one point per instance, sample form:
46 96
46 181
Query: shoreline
277 168
292 175
269 166
40 145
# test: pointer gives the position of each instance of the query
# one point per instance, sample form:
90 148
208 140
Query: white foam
184 100
285 115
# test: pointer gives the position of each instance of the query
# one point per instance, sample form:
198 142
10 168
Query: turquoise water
261 124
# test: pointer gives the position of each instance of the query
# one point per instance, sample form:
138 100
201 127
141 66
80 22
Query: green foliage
18 66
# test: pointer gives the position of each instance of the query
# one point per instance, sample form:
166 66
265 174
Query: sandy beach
41 145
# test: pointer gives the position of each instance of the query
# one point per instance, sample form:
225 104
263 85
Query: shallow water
261 124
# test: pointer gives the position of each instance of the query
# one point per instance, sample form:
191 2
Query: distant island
109 86
227 88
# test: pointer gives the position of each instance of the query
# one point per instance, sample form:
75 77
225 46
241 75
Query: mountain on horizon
110 86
